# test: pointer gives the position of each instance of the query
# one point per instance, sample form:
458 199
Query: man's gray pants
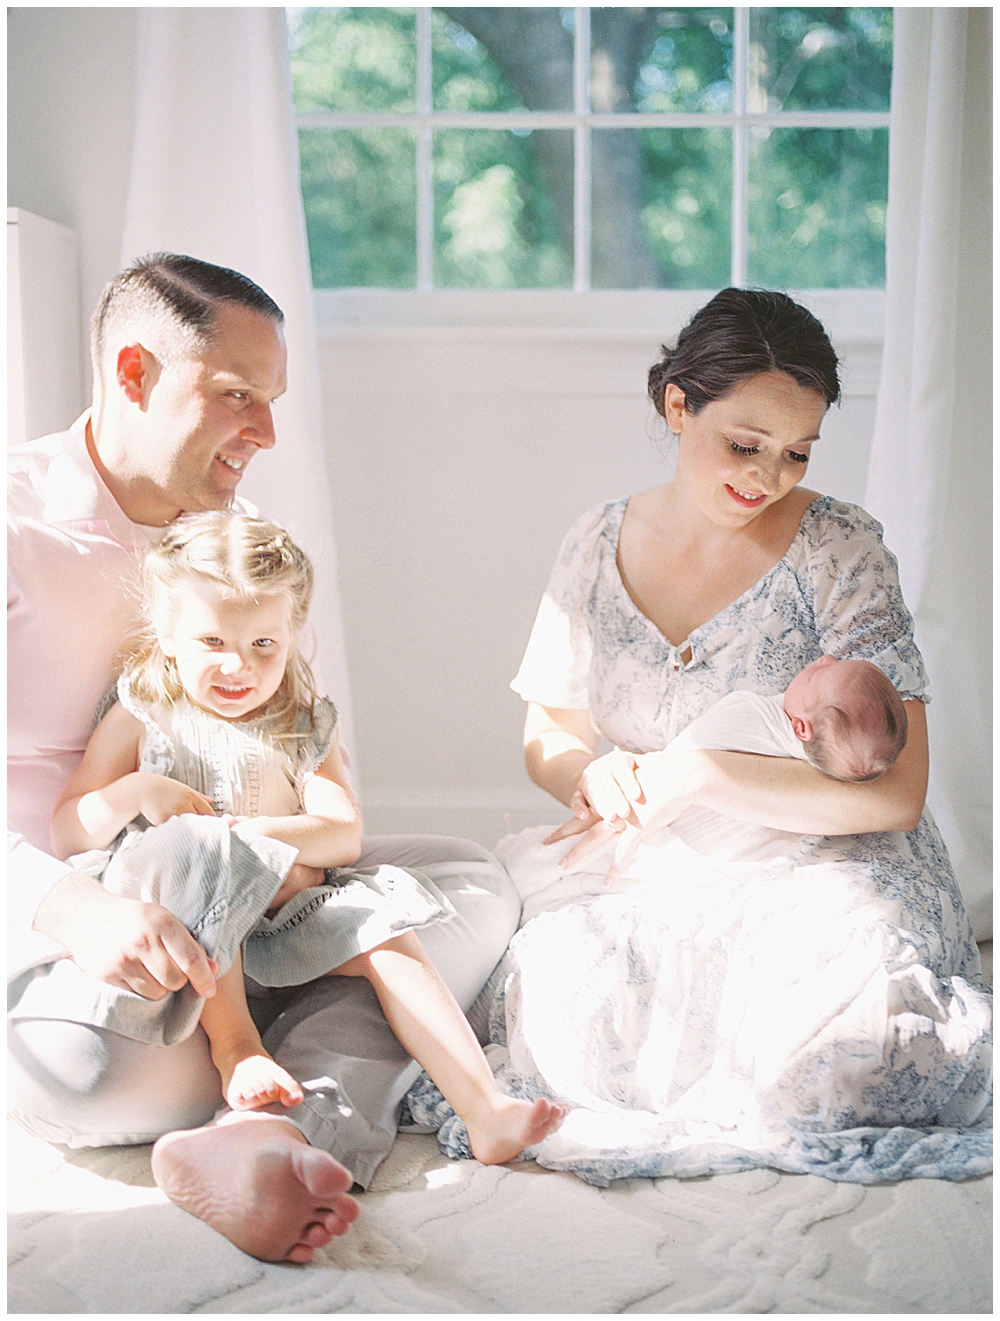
86 1086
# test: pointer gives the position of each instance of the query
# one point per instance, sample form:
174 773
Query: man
188 359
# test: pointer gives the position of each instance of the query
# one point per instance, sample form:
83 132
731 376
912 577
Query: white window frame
858 312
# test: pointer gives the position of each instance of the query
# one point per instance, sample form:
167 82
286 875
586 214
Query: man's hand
160 798
124 942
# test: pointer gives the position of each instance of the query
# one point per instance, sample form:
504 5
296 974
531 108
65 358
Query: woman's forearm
557 746
556 771
782 793
787 794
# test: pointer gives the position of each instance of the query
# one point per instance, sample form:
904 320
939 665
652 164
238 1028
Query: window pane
820 59
503 59
353 59
817 202
661 202
503 207
359 190
661 59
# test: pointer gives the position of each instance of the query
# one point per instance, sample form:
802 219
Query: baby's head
848 716
225 598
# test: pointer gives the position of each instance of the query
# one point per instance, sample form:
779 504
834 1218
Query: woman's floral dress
822 1011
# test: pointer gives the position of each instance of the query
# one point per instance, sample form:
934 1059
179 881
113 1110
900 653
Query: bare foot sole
512 1126
259 1183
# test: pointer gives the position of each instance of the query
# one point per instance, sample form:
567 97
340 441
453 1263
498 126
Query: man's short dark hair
180 296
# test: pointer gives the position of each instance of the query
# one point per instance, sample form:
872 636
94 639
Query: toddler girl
216 717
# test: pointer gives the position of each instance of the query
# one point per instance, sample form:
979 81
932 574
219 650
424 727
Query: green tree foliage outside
817 204
683 60
353 59
495 223
359 185
464 74
820 59
359 188
660 198
685 216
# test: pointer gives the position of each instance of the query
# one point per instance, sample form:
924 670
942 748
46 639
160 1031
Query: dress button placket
676 665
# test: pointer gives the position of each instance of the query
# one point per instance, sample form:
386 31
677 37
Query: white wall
459 458
71 91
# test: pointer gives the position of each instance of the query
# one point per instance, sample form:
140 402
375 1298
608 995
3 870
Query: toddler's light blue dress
221 881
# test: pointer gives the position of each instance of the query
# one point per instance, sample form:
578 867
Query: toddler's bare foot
258 1182
508 1126
258 1081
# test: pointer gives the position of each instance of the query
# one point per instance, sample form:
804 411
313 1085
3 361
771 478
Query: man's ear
137 371
803 729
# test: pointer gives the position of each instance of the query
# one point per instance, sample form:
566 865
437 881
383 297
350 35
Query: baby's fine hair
864 743
249 558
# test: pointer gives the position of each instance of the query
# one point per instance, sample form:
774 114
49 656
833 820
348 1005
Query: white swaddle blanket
738 722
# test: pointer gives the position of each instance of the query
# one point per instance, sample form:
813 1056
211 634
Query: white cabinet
44 331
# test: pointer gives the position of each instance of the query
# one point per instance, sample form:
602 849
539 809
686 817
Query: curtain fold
929 473
215 175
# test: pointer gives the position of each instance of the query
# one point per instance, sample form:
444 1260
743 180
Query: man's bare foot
508 1126
259 1183
258 1081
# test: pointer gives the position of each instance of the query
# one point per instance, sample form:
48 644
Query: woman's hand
607 790
160 798
603 801
665 784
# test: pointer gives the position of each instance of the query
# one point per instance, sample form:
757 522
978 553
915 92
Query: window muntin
622 148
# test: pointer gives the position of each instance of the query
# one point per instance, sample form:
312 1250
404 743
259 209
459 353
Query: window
593 149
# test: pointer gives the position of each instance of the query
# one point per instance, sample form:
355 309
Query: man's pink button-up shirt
73 602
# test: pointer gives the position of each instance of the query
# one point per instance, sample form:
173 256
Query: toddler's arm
328 833
107 792
250 1078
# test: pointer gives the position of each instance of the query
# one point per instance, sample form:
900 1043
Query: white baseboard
521 799
483 815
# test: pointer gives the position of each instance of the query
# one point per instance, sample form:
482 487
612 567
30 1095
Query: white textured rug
90 1233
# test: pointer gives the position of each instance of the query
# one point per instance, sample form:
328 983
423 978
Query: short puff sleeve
556 664
314 748
853 581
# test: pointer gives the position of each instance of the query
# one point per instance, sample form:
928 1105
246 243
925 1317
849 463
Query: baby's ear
166 645
803 729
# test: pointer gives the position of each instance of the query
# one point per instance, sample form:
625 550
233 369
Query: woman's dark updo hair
743 333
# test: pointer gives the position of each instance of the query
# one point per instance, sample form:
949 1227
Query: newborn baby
844 717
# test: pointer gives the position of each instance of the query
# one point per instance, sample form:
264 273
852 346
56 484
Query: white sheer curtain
215 175
929 479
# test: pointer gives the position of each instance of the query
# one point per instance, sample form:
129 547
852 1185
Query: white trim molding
524 799
462 361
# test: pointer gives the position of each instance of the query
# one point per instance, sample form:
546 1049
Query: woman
734 1013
